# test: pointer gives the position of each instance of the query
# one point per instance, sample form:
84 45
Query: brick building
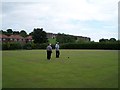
3 38
15 38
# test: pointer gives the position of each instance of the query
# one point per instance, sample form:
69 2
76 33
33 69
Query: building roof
3 36
28 37
16 37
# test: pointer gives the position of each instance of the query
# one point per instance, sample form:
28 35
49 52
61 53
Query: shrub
11 46
14 45
27 46
95 45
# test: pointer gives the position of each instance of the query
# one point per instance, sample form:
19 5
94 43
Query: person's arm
51 49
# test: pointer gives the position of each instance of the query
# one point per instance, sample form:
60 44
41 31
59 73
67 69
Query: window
20 39
15 39
4 39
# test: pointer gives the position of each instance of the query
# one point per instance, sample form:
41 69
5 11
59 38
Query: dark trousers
57 54
49 55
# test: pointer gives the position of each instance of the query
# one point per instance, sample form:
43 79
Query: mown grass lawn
83 69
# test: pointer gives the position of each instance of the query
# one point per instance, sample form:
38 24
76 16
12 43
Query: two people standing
49 51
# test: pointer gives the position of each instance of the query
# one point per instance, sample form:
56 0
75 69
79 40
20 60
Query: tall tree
112 40
9 32
23 33
39 36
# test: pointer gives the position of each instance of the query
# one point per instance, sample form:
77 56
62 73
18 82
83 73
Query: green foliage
39 36
23 33
112 40
16 32
90 45
14 46
63 38
9 32
4 46
107 40
3 32
81 41
41 46
11 46
27 46
93 45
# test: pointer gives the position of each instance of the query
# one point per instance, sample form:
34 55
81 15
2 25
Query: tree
63 38
39 36
9 31
23 33
16 32
112 40
31 33
3 32
103 40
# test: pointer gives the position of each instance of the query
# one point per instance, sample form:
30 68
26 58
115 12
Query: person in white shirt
57 50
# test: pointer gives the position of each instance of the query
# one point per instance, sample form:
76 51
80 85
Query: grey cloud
54 16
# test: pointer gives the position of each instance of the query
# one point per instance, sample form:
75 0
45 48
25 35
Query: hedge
111 46
95 45
11 46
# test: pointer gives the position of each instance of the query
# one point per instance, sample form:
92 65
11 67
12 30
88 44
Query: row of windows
4 39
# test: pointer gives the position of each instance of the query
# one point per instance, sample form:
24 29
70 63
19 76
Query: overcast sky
90 18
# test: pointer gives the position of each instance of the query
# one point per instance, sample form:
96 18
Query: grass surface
52 41
83 69
0 69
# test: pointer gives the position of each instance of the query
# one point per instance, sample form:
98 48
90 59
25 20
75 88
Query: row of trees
39 36
40 41
9 32
108 40
64 38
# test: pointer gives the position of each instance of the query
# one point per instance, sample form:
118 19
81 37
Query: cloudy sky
90 18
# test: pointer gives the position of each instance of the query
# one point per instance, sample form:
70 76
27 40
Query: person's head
49 44
57 42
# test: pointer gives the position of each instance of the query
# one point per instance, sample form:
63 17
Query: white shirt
57 47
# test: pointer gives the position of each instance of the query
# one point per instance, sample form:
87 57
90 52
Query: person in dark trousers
57 50
49 51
